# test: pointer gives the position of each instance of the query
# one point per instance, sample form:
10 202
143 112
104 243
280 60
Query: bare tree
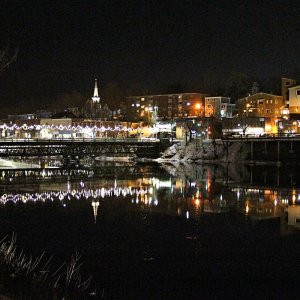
8 55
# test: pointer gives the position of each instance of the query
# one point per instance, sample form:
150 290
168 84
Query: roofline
288 78
171 94
218 97
260 93
292 87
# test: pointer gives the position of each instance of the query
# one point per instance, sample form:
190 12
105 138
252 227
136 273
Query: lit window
142 99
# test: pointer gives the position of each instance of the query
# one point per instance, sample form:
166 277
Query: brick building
166 105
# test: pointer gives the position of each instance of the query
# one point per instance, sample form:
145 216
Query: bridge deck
79 147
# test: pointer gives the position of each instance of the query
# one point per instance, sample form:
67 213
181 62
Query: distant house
286 83
294 102
22 117
260 105
264 106
219 107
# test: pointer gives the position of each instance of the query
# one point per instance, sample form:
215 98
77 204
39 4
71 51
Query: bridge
269 148
145 148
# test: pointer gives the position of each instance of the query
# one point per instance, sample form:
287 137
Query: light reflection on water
138 224
183 190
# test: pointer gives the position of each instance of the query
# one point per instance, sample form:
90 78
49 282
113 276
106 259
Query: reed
26 277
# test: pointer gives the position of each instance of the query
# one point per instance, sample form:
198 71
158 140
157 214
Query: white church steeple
96 97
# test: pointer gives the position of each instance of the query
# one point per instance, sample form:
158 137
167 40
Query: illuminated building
286 83
262 105
219 107
168 105
294 101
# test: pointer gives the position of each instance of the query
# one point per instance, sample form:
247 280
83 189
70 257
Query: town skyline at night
145 48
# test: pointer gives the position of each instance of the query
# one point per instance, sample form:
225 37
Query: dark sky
64 45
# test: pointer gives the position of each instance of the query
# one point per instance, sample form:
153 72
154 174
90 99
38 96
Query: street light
198 108
247 105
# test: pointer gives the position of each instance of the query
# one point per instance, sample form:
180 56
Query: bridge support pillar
278 151
265 151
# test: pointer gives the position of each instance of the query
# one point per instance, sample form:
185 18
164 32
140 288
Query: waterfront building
286 83
293 117
294 101
219 107
22 117
65 128
167 106
262 105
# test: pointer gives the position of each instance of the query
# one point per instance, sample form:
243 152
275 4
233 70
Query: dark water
149 231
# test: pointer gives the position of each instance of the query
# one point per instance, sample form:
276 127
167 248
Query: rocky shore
206 151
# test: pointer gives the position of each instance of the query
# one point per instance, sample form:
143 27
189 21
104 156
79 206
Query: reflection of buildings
216 206
169 195
95 206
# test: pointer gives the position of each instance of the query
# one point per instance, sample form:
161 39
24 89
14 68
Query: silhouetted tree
136 89
238 86
7 56
112 95
271 85
176 88
67 100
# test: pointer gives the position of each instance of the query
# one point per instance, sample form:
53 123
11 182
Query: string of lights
64 127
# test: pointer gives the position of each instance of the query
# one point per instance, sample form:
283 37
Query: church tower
96 98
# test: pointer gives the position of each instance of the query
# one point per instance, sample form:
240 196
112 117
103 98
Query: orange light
198 105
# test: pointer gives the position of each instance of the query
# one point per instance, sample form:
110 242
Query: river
161 231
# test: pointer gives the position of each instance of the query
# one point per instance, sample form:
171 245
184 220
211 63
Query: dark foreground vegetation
25 277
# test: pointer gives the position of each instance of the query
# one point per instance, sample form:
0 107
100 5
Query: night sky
143 46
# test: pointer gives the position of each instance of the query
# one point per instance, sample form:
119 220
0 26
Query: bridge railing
266 136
